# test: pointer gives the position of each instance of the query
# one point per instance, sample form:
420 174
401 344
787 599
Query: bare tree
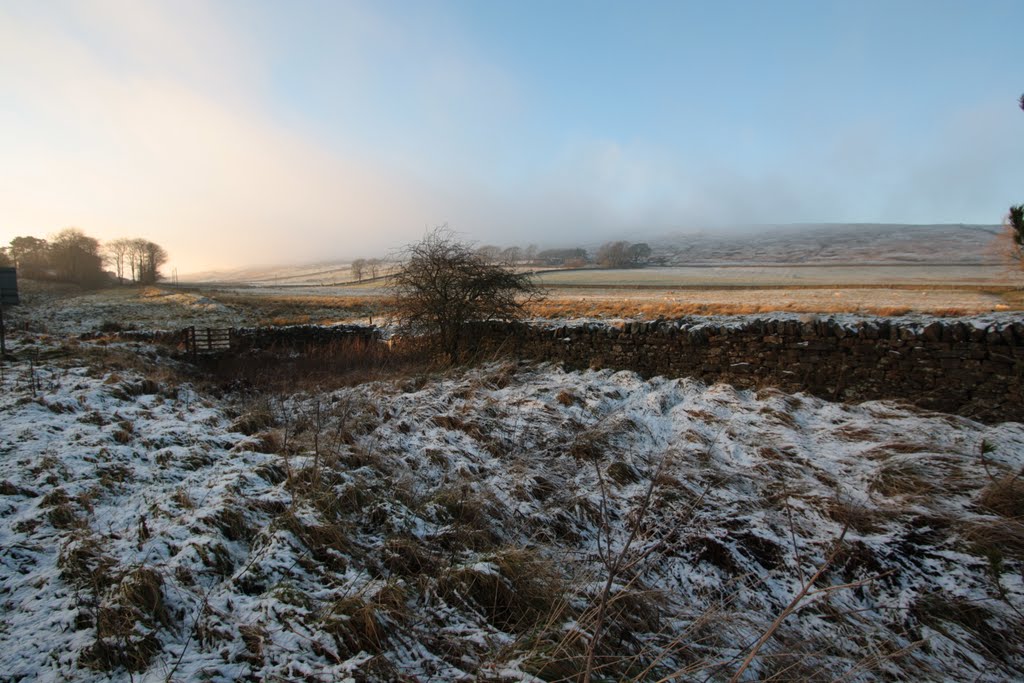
117 251
374 265
512 256
614 254
137 256
358 268
489 253
444 284
531 253
623 254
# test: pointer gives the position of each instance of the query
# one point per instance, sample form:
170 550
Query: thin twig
789 608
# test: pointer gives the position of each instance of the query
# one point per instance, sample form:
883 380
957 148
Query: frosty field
499 523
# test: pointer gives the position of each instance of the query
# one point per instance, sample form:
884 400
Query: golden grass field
579 294
674 292
614 302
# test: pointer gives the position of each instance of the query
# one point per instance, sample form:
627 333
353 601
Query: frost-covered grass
463 527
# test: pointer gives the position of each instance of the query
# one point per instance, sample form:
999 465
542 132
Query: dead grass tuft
361 625
861 518
257 418
467 519
780 417
329 544
904 478
1004 496
408 557
855 433
120 650
231 522
215 557
253 637
941 611
995 538
83 564
64 517
126 624
622 473
896 448
181 497
8 488
142 589
515 589
591 444
568 398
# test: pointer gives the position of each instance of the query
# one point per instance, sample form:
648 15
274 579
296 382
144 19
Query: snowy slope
462 528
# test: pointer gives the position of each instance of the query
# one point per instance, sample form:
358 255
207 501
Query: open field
787 275
675 291
68 310
649 303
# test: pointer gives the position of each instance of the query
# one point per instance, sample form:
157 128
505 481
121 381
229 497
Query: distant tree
153 257
31 255
117 251
531 253
137 258
1021 102
622 254
511 256
639 253
5 260
489 253
614 255
358 268
374 266
562 257
443 284
75 257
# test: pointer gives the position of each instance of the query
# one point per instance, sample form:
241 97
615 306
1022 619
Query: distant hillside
805 244
835 244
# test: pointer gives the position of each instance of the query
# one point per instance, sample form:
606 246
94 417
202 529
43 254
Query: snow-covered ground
466 526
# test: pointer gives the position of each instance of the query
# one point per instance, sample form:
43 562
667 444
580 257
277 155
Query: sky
246 132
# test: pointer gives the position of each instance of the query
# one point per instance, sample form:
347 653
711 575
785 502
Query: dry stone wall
965 367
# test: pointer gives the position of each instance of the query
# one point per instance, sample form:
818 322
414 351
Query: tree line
72 256
619 254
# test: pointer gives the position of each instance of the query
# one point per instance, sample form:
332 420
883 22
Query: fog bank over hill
819 243
836 243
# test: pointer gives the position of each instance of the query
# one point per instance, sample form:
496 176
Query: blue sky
294 131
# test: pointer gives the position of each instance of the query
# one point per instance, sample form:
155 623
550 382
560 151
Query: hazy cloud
165 120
